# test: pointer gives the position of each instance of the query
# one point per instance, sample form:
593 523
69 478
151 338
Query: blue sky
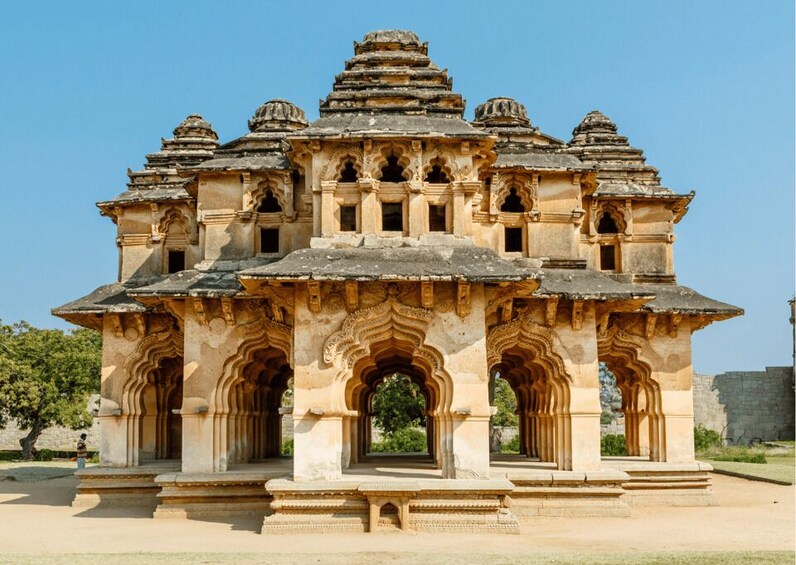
706 88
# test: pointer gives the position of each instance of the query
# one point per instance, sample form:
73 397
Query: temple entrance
160 430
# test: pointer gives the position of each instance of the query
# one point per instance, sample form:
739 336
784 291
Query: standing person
82 452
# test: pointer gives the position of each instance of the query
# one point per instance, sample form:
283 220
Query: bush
287 447
747 456
606 417
45 455
511 446
705 438
613 444
94 458
403 440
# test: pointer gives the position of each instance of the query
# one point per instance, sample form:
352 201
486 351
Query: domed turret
500 112
594 122
278 115
195 126
386 39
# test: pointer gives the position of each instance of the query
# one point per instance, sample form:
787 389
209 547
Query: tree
398 404
46 377
502 397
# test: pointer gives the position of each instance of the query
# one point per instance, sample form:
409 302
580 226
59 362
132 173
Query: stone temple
391 236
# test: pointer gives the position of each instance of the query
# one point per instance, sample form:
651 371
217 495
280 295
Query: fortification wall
744 406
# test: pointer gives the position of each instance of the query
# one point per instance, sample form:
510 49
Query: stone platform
398 493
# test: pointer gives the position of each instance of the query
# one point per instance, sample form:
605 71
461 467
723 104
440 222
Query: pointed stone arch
257 192
230 439
644 419
527 354
337 162
522 186
173 216
392 330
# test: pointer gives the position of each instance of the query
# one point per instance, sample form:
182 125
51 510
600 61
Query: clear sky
706 88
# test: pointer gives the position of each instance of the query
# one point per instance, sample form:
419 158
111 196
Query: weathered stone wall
746 405
57 439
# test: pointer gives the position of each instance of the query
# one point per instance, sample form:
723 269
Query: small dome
501 112
595 122
278 115
195 126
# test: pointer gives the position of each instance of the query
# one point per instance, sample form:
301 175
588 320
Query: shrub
613 444
403 440
705 438
606 417
45 455
511 446
287 447
94 458
739 455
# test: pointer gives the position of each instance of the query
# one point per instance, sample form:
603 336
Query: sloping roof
148 195
683 300
389 125
208 284
539 160
405 263
587 284
243 162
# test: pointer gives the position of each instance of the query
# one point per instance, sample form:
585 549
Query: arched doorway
160 401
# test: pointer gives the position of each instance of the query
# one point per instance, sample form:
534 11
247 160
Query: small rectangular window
607 258
176 260
348 218
436 218
513 240
392 216
269 240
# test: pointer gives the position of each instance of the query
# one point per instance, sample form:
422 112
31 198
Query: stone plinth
120 487
569 493
668 484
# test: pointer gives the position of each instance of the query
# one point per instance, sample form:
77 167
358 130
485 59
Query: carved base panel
213 495
569 493
435 505
120 487
669 484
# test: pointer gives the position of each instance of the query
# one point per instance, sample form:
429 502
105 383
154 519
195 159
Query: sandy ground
35 517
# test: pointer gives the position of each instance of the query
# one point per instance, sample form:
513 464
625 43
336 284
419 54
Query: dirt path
36 517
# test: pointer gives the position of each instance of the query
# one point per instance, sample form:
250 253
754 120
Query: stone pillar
369 210
418 214
459 220
327 207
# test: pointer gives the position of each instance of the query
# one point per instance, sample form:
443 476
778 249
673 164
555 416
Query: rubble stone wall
746 405
57 439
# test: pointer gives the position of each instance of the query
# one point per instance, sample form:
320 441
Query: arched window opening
607 224
392 171
437 176
612 419
269 204
399 421
513 202
349 173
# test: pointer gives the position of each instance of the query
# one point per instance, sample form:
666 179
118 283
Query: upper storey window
437 176
349 173
392 216
607 224
513 202
269 204
392 171
175 260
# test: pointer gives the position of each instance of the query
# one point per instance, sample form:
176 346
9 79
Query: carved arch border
258 189
146 357
172 214
377 159
334 167
525 191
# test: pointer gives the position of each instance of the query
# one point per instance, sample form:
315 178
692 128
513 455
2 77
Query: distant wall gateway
393 236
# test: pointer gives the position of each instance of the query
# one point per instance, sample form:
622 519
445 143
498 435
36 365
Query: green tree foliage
46 377
705 438
506 404
398 404
402 440
611 444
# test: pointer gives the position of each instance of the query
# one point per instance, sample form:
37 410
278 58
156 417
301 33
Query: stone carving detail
523 330
161 227
350 343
